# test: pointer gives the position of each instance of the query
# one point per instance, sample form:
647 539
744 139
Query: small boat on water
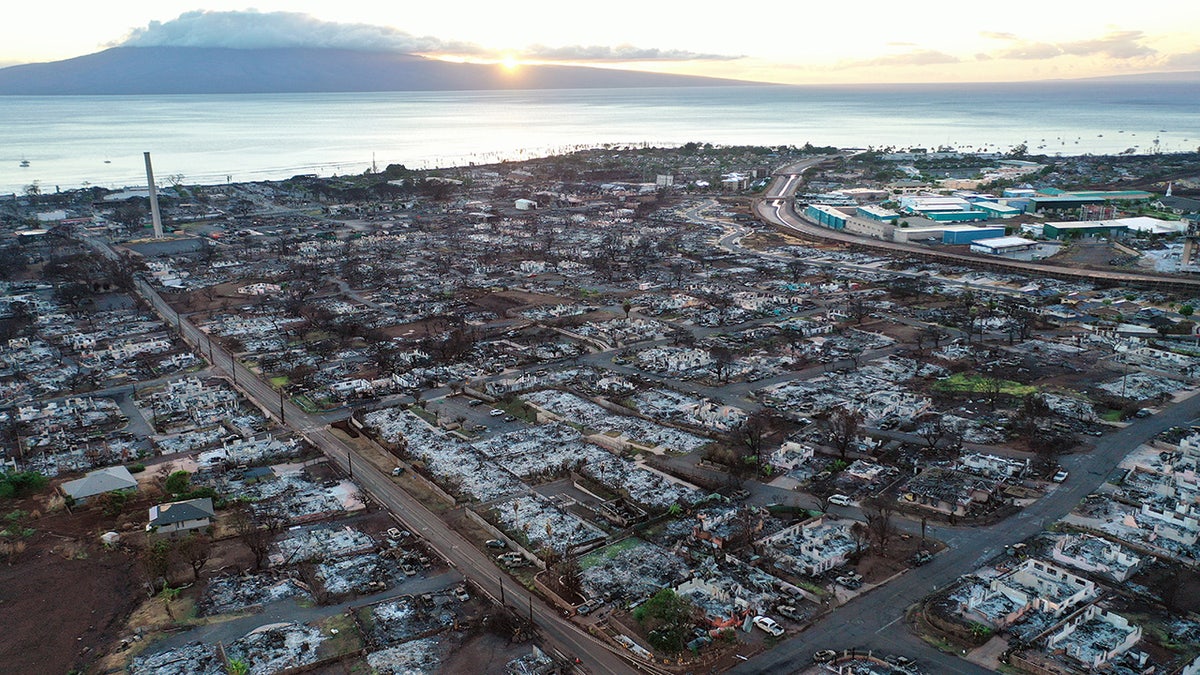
24 162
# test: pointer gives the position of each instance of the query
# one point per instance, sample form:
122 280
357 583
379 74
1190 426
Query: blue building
998 210
877 213
826 216
956 216
966 235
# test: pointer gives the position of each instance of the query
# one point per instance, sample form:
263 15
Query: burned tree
844 426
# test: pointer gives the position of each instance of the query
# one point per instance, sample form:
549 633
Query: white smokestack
155 216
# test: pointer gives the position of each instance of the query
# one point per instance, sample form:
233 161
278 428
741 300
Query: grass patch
279 381
344 641
812 588
518 409
608 552
306 404
978 384
424 414
1111 416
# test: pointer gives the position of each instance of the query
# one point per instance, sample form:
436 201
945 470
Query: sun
509 63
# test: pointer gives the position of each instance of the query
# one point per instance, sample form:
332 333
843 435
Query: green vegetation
980 384
21 484
668 619
178 482
1111 416
136 468
608 552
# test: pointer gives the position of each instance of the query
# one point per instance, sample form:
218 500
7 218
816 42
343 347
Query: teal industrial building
965 235
826 216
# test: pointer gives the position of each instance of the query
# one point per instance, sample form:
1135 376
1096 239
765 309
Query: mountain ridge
216 70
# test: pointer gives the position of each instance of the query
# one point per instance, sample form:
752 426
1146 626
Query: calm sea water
72 141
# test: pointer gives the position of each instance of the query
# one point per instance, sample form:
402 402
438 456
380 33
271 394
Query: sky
785 41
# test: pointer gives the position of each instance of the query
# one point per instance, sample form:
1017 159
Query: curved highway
775 208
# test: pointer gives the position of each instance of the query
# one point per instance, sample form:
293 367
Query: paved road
875 620
473 564
775 208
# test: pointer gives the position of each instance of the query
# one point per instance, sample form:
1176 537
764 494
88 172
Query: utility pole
233 367
501 578
281 420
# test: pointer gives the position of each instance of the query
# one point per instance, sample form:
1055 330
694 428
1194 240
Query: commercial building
1002 245
826 216
877 213
1086 228
998 210
968 234
1061 203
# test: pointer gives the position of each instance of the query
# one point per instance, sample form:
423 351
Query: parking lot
475 416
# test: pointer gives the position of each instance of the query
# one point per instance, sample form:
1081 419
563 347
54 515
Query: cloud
994 35
258 30
1186 60
1118 45
1030 51
920 57
618 53
251 29
902 44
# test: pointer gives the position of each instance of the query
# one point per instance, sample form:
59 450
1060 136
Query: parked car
474 402
921 557
1060 476
769 625
496 412
824 656
460 592
840 500
589 606
790 612
496 543
698 643
397 471
849 582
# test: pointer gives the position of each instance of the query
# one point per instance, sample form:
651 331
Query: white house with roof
182 516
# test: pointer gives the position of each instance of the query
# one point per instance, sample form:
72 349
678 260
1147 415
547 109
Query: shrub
21 484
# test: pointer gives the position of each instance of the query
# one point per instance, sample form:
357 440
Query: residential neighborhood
510 418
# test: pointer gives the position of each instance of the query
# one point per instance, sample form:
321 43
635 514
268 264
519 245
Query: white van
840 500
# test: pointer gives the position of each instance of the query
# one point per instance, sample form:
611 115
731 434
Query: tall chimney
154 213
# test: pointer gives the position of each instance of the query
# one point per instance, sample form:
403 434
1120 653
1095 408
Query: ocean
75 141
